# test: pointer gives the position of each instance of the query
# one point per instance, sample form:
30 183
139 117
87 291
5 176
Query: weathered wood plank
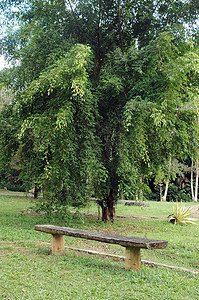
122 240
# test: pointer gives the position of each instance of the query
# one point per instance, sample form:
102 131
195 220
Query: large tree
100 119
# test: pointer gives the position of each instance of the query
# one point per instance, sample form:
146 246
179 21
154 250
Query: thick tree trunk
108 207
35 192
110 203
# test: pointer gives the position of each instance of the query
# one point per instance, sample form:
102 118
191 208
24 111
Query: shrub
181 214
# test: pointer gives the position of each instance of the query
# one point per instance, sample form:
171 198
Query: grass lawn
27 271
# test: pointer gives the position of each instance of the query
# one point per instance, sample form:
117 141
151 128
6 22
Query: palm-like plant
181 214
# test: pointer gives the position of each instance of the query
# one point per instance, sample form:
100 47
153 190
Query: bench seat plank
122 240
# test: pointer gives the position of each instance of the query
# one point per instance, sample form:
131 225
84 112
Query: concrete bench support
57 243
133 258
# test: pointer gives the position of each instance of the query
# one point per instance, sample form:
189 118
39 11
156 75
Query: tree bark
110 202
108 207
192 188
196 184
36 192
160 192
164 198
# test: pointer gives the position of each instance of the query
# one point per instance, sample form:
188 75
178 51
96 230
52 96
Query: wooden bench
132 244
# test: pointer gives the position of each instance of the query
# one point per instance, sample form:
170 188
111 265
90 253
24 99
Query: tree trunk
140 198
36 192
108 207
110 202
196 184
192 188
164 198
197 173
160 192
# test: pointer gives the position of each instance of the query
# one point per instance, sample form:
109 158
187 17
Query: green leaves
153 119
58 113
107 118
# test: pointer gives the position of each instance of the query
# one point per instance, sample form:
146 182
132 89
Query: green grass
27 271
155 209
7 192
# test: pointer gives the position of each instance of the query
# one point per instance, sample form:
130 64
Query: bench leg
57 243
133 258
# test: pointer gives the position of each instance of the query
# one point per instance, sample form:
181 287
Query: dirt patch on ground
195 211
31 212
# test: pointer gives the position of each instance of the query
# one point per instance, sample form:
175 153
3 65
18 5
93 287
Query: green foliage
175 194
9 125
6 96
45 29
104 118
157 108
59 150
15 187
181 214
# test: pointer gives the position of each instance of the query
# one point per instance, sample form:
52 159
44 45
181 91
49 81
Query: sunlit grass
29 272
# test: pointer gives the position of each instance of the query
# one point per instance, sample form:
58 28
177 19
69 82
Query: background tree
6 94
168 173
6 97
